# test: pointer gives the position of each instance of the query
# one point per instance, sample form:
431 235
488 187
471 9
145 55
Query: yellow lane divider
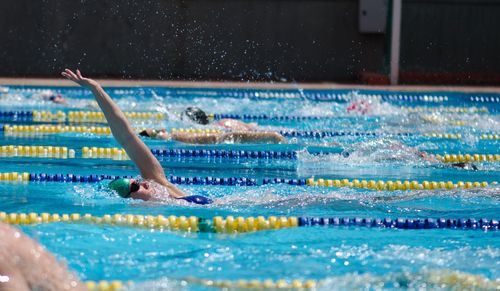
453 158
218 224
224 284
91 116
459 136
98 116
395 185
37 152
443 278
444 135
102 130
114 153
54 129
104 153
255 284
438 120
49 116
120 154
106 285
490 136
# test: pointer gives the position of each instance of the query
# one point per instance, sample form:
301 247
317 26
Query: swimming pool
303 179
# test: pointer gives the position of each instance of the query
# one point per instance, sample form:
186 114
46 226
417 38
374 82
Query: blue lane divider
270 117
321 134
227 181
16 116
225 153
403 223
338 95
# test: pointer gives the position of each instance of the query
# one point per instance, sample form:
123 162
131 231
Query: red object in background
359 106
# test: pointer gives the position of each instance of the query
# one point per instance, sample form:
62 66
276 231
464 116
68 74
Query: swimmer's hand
79 79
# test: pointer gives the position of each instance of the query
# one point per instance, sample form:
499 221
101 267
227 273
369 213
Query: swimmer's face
57 99
141 190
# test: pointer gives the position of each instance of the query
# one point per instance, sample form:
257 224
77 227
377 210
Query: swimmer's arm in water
138 152
195 138
252 136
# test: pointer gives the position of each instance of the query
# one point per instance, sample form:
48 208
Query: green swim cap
121 186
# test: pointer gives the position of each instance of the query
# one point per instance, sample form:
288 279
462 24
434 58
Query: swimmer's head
122 187
131 188
59 99
465 166
50 95
195 114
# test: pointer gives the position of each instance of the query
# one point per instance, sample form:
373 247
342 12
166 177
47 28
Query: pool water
325 142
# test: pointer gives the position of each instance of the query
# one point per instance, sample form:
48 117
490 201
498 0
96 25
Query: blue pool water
373 146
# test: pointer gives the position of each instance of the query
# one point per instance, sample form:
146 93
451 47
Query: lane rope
341 95
390 185
234 225
444 278
376 185
115 153
29 130
104 285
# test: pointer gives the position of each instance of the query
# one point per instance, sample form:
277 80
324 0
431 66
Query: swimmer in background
359 106
391 150
49 95
25 265
241 132
155 187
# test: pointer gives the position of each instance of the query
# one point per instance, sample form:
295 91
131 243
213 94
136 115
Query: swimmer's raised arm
138 152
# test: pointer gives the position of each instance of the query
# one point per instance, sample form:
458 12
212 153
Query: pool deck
257 85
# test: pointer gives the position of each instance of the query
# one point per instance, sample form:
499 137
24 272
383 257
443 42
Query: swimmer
216 137
52 96
240 132
26 265
359 106
155 186
392 150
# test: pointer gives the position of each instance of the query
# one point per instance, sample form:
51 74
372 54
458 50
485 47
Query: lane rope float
446 109
29 130
341 95
443 278
465 158
53 129
102 130
53 152
236 284
377 185
256 284
104 285
115 153
396 185
234 225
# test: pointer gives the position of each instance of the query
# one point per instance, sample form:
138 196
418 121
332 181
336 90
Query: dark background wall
455 38
273 40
